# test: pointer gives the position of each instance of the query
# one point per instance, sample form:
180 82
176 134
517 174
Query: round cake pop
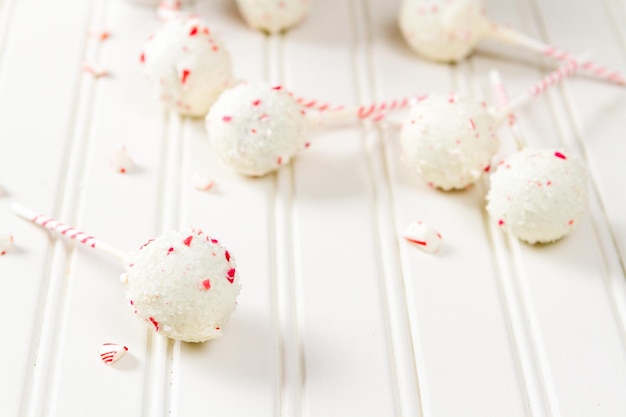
449 141
183 285
442 30
448 31
187 67
256 128
273 16
538 195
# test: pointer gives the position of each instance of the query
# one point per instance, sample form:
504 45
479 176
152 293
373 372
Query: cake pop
538 195
273 16
450 140
186 66
182 284
449 30
256 127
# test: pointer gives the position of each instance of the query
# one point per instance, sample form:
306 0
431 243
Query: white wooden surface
338 316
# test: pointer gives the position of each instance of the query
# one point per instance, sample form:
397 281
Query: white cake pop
273 16
449 141
187 66
256 128
538 195
184 285
442 30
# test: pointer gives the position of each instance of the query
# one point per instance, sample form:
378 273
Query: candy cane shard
121 162
112 352
423 236
6 243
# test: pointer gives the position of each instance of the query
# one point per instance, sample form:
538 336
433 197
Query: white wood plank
347 356
121 209
582 296
31 164
452 311
238 212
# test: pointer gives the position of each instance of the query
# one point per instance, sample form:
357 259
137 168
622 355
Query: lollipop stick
502 99
539 88
507 35
374 111
67 231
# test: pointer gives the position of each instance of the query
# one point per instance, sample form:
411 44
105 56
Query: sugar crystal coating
255 128
183 285
538 195
442 30
187 66
273 15
449 140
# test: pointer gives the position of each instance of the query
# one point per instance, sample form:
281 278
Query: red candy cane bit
227 119
227 256
170 250
256 102
101 35
472 124
205 285
187 241
417 242
94 71
560 155
154 323
193 31
500 222
230 275
184 75
146 244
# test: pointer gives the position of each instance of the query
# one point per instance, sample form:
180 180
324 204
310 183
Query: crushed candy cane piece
121 161
202 182
94 70
112 352
423 236
168 10
6 243
99 34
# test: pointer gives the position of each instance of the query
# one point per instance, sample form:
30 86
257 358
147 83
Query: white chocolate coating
442 30
187 67
538 195
449 141
273 16
184 285
255 128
